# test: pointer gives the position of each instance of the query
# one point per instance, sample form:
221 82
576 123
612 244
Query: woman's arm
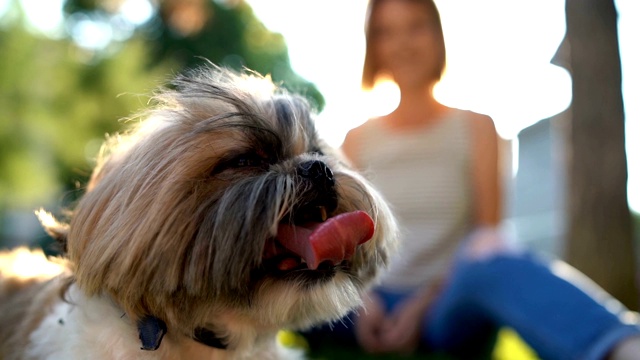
350 146
487 187
486 239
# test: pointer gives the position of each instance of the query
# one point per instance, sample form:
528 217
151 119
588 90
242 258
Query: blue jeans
558 319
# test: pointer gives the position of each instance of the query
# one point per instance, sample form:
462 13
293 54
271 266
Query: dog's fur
174 225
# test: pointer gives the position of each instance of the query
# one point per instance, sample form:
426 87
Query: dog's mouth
314 242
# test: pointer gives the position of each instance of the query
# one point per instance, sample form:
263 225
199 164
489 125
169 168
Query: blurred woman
454 280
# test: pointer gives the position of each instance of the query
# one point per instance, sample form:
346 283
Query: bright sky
497 65
498 59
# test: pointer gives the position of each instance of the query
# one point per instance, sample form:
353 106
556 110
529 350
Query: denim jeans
558 313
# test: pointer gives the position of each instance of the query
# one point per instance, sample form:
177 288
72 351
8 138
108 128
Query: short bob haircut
371 69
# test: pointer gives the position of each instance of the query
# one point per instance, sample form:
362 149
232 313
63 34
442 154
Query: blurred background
70 69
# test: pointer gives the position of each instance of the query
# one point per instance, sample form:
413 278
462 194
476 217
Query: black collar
151 330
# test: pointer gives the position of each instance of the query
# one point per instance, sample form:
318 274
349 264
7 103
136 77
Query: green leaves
59 99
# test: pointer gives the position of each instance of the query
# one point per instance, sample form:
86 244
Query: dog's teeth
323 213
288 263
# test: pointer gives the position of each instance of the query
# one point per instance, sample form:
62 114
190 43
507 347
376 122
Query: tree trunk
600 234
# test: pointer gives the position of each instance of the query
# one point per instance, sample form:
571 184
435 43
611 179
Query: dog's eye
242 161
249 160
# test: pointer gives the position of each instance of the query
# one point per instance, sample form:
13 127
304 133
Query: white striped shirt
425 176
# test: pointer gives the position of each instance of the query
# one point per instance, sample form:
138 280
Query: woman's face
405 42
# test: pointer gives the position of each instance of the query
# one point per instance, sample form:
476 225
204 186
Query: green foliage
636 231
58 99
508 346
58 102
226 33
233 37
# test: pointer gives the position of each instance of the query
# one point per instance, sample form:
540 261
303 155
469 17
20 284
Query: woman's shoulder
367 126
472 116
482 131
355 138
479 124
363 130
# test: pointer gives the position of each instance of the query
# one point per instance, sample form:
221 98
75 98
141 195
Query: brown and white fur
175 225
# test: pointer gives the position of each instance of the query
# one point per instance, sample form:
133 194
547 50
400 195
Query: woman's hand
368 324
402 328
398 331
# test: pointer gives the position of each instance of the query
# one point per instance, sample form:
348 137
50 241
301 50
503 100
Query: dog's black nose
316 171
321 197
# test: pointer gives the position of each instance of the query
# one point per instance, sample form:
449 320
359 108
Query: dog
217 219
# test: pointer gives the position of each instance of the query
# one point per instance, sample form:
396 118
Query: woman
454 281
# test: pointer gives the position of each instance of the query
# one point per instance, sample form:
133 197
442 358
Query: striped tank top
425 176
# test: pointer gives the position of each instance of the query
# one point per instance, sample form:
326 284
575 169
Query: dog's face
223 202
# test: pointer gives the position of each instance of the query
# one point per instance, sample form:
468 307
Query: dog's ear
56 229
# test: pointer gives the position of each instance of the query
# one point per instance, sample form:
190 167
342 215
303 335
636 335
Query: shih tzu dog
217 220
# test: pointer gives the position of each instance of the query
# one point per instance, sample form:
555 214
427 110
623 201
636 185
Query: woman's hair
371 69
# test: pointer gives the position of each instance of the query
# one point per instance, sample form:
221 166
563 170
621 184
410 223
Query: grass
509 346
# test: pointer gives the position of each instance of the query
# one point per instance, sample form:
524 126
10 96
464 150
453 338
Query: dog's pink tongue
333 240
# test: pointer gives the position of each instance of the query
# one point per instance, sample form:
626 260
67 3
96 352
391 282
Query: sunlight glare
4 6
382 99
89 33
137 12
45 16
24 263
511 105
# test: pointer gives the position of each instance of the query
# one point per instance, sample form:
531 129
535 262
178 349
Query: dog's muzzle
318 172
308 237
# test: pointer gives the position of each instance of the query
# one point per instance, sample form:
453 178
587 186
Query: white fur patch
94 328
82 326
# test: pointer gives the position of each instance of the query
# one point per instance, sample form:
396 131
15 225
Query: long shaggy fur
174 223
